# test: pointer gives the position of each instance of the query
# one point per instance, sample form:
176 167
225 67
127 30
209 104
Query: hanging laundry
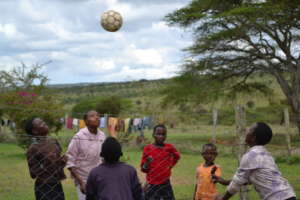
81 124
62 120
126 125
121 125
147 122
75 122
103 122
69 124
136 122
112 123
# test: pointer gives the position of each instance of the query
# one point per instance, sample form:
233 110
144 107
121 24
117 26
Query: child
84 150
257 167
157 161
205 187
113 180
45 162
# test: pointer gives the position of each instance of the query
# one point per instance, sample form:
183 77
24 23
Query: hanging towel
126 125
112 123
75 122
103 121
69 124
120 125
81 124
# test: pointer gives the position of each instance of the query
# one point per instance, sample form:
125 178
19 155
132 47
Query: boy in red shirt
157 162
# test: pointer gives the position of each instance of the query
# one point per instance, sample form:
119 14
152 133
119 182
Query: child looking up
45 161
205 185
157 161
113 180
257 167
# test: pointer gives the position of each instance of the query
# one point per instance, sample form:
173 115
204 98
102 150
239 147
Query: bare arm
195 191
218 179
78 179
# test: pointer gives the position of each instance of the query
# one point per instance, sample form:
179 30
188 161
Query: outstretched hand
216 179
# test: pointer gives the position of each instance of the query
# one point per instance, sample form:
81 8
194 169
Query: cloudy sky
68 33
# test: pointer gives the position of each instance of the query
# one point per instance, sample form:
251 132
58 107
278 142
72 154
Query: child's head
111 150
209 153
258 134
91 119
160 134
36 127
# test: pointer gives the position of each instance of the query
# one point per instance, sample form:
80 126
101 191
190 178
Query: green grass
16 183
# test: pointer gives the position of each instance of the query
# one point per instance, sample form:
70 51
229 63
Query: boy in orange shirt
205 186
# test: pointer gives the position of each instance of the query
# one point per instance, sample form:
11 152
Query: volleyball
111 21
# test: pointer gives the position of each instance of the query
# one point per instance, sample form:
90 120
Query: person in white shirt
257 167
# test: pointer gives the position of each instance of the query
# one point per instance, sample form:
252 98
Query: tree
23 94
235 40
113 105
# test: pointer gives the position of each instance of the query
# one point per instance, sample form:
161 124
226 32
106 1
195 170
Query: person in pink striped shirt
84 150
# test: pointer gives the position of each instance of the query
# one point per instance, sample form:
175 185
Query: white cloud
35 13
68 32
11 32
101 65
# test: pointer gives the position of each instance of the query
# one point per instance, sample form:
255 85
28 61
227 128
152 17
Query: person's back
114 182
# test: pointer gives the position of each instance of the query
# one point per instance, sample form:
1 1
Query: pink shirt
84 152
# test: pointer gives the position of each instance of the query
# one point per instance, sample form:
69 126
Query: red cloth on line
164 158
69 123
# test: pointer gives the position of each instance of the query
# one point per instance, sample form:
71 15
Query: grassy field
16 183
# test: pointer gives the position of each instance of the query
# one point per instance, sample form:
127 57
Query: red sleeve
145 155
175 153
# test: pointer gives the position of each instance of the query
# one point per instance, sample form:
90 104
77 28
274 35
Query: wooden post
287 128
240 120
215 120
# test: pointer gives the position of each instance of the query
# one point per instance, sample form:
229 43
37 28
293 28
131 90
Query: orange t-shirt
206 189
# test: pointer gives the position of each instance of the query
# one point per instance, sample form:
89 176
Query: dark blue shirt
117 181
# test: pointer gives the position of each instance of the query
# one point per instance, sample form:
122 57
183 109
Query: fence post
287 128
215 120
240 120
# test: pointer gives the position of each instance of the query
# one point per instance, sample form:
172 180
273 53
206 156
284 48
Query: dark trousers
159 192
292 198
49 191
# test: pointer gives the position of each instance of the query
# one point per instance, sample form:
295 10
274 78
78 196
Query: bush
289 160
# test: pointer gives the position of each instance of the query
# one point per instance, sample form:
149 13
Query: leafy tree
83 106
234 41
113 105
104 105
23 95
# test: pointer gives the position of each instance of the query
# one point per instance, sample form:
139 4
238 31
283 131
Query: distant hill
146 96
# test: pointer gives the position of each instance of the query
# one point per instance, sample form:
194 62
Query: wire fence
47 161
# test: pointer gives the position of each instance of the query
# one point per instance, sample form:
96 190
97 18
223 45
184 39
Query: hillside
146 97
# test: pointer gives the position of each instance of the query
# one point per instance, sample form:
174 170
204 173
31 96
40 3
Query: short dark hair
263 133
85 116
209 145
159 126
29 126
111 150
